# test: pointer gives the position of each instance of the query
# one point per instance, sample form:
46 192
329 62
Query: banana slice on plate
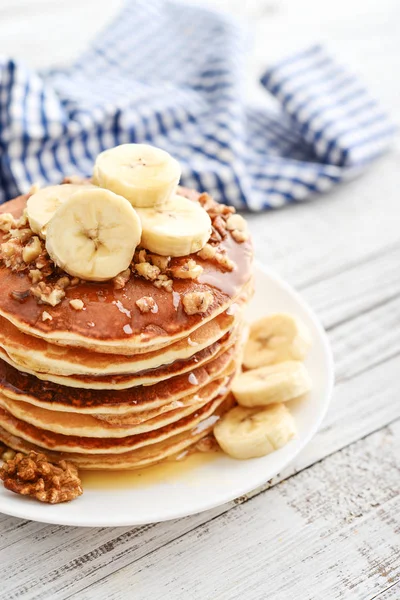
177 228
271 384
145 175
42 205
274 339
93 235
252 432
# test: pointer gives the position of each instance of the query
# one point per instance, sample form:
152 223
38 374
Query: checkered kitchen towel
172 75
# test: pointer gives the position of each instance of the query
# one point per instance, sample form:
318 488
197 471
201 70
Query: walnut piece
76 304
207 444
7 222
35 275
147 304
188 270
164 282
197 302
46 316
148 271
121 279
32 250
238 228
35 476
208 252
161 262
47 294
11 254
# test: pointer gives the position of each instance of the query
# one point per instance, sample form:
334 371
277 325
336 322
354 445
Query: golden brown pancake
100 327
141 457
91 445
75 424
27 388
39 356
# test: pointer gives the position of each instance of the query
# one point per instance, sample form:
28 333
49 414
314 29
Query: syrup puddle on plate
165 472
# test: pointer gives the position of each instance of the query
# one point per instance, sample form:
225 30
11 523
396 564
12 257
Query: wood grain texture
328 526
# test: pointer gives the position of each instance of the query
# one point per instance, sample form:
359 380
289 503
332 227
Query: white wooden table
328 527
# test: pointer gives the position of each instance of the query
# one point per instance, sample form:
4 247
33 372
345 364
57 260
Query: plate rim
73 521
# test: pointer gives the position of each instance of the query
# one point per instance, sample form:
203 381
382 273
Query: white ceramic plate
212 483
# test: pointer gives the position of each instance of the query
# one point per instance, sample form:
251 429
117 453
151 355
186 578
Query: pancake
102 326
132 401
40 356
142 457
91 445
75 424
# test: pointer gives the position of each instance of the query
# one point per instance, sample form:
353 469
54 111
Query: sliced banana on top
177 228
93 235
274 383
145 175
42 205
251 432
274 339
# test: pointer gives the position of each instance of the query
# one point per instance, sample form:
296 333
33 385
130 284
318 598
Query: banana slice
177 228
93 234
251 432
274 339
145 175
275 383
42 205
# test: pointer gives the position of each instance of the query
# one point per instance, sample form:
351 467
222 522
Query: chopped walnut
46 294
208 252
224 261
75 281
35 276
148 271
35 476
121 279
197 302
11 254
161 262
142 256
76 304
32 250
219 224
8 454
188 270
23 220
7 222
23 235
63 282
46 316
164 282
240 236
147 304
238 228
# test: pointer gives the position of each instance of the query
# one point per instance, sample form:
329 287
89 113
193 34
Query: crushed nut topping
76 304
147 304
121 279
11 254
161 262
35 476
35 275
188 270
148 271
197 302
164 282
46 316
32 250
63 282
47 294
238 228
7 222
208 252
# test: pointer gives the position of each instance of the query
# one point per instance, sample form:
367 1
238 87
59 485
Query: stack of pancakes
113 387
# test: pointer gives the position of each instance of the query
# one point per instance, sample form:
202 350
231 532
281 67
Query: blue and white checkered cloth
172 75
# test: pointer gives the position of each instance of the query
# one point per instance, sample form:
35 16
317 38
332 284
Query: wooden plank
391 593
73 557
330 532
